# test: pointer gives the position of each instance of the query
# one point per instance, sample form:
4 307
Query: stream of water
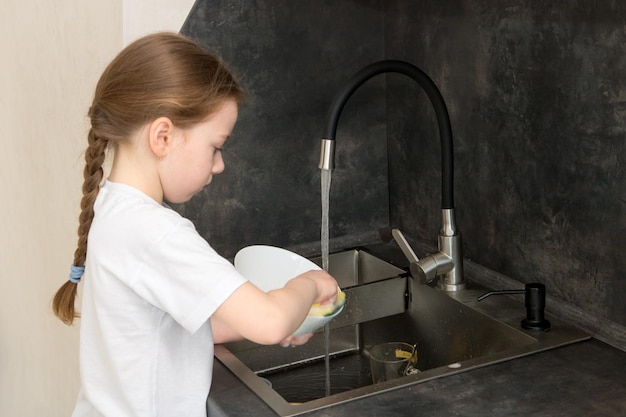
325 180
326 175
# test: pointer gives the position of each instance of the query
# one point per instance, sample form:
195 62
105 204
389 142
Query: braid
93 175
63 303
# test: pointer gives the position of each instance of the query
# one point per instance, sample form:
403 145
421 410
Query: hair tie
75 273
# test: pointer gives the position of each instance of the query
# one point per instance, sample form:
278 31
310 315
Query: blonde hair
163 74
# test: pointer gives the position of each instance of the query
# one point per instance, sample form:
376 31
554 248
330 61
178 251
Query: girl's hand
296 340
326 286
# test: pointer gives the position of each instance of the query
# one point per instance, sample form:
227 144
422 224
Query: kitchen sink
453 333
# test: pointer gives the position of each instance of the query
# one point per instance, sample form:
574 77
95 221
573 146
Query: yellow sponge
329 309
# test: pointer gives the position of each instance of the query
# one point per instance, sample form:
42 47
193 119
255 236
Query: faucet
447 263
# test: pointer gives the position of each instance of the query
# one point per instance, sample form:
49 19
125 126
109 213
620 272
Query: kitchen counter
584 379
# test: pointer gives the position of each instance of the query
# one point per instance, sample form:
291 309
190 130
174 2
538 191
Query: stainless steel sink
453 333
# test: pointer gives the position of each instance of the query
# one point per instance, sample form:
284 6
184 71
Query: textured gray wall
537 96
536 93
292 59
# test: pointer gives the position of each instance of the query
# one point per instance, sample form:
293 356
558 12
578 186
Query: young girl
156 296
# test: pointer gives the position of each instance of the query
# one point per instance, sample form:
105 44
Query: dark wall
292 59
537 96
536 93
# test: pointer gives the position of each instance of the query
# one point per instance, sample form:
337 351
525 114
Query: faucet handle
404 245
426 269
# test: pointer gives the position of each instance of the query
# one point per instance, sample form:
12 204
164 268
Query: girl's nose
218 163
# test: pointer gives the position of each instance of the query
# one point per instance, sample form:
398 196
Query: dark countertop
584 379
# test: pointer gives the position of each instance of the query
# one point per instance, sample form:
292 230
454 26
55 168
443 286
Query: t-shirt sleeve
182 275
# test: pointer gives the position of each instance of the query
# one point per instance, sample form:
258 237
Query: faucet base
450 245
450 287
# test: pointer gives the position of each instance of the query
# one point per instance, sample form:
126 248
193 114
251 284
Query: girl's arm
222 333
270 318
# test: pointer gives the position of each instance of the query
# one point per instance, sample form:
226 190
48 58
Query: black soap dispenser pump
535 301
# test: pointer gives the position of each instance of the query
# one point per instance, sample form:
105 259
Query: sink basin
453 333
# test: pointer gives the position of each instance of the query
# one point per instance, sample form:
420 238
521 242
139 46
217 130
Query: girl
156 296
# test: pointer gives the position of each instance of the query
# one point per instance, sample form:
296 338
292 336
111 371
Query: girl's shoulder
124 210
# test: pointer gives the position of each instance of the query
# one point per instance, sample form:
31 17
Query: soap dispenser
535 300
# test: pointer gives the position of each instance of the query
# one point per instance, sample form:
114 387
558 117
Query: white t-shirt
151 283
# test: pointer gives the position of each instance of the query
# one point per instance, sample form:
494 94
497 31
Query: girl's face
197 155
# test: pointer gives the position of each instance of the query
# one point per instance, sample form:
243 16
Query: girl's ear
160 136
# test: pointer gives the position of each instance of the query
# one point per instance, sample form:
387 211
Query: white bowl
269 268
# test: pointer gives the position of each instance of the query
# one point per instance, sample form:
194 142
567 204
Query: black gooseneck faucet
448 262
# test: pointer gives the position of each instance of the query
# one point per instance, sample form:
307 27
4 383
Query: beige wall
52 53
146 16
